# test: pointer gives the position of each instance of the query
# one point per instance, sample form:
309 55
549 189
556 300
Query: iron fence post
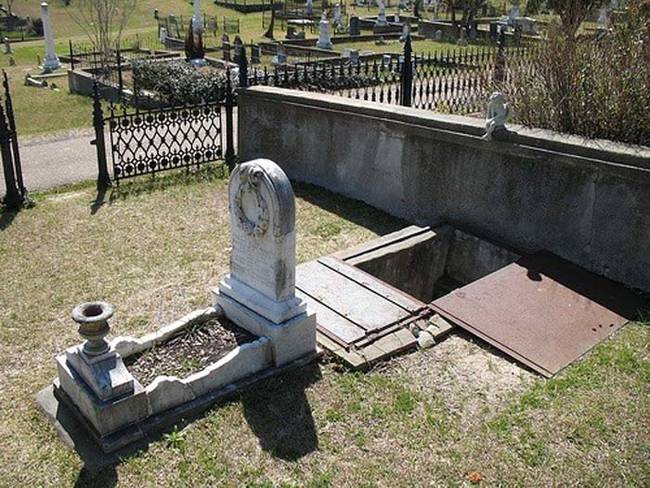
407 73
243 68
71 55
120 79
230 150
9 106
12 198
103 178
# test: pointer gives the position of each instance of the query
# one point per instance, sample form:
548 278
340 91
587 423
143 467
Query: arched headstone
259 294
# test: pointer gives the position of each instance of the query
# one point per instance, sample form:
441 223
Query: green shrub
597 86
178 82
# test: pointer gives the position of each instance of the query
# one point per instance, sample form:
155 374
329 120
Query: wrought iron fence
150 141
455 81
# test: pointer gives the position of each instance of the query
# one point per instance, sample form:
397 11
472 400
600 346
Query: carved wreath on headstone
250 179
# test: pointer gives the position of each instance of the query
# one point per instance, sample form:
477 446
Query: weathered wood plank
373 284
382 241
352 301
331 322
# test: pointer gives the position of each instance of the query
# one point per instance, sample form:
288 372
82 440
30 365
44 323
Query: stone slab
371 283
358 304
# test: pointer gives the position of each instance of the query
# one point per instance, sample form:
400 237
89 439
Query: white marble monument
259 293
337 15
324 33
197 18
381 17
51 61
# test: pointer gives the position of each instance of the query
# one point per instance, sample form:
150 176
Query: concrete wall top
469 129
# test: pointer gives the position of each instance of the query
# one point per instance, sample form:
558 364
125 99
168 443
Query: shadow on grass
106 477
147 184
276 408
355 211
279 414
159 182
6 218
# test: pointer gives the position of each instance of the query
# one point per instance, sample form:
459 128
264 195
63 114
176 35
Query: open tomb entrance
369 299
372 301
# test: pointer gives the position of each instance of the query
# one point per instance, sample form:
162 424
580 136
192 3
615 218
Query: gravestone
255 54
355 27
259 294
381 17
406 31
462 39
51 61
324 33
513 14
197 19
337 14
434 10
7 43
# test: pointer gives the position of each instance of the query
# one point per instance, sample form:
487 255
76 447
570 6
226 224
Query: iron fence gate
147 142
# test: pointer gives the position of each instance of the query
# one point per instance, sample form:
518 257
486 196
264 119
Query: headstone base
290 339
51 64
104 416
273 311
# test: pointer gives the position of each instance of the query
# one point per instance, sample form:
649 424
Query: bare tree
103 21
573 12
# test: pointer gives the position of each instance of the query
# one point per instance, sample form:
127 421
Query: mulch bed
189 352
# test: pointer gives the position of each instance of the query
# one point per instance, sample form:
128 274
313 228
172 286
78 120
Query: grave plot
412 286
123 391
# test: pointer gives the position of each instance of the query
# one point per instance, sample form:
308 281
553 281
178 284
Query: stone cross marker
263 259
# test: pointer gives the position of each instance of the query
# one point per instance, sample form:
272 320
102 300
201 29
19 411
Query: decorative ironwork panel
146 142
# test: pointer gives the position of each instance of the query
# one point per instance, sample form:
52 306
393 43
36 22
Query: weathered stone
51 61
259 293
263 259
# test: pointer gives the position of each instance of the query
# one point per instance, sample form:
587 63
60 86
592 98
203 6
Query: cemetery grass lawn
41 110
433 418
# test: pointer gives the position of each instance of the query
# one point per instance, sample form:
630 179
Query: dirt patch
464 372
190 352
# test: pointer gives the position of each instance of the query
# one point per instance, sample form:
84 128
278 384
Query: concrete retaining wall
588 202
